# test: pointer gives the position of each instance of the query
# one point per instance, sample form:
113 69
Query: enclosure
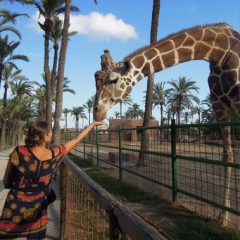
185 165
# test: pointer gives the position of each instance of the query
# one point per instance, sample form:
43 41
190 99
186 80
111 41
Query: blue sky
121 26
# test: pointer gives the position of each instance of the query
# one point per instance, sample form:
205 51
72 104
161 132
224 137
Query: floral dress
25 210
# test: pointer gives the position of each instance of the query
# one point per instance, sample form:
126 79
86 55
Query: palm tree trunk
61 68
4 118
121 109
148 105
48 79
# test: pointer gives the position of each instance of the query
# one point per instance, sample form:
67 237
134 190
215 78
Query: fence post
120 152
63 195
174 160
84 149
97 144
114 227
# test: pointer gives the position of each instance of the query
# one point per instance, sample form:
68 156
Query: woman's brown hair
36 133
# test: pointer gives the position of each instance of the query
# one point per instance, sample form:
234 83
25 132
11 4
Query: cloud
102 27
34 22
96 26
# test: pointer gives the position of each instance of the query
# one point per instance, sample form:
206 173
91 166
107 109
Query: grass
175 220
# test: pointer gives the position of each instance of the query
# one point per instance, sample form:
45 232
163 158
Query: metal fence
182 163
88 212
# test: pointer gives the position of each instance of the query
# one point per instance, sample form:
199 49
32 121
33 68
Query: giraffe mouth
99 117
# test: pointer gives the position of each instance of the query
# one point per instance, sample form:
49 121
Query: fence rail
182 163
89 212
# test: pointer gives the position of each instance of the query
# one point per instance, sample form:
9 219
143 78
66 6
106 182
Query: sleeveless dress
25 210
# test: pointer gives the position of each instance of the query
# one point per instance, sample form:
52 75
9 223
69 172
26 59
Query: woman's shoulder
22 149
59 151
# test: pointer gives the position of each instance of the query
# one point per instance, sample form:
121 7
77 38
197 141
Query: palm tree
40 101
116 114
61 67
208 114
180 94
199 109
185 116
150 83
65 111
8 76
19 112
78 113
7 17
21 1
55 37
41 93
193 111
89 105
159 95
49 10
7 56
135 111
126 101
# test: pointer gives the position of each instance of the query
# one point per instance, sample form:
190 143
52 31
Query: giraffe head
112 86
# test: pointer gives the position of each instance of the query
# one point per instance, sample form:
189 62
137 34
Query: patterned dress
25 210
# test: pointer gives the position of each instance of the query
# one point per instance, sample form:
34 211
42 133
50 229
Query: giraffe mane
140 50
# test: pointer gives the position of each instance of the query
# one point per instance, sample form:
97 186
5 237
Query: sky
121 26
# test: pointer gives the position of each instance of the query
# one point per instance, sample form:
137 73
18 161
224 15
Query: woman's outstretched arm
71 144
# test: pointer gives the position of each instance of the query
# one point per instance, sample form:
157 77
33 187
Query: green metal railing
185 165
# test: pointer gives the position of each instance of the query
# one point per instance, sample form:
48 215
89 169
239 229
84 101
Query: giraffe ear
123 67
127 65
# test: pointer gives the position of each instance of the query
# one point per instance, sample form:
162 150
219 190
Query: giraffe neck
210 43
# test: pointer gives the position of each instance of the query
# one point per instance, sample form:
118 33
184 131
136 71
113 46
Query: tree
135 112
7 17
49 10
126 101
199 109
40 101
208 114
61 66
21 1
159 95
41 93
7 56
150 82
89 105
55 37
65 111
116 114
19 112
193 111
8 76
180 94
78 113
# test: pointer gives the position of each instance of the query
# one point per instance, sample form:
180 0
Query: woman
25 209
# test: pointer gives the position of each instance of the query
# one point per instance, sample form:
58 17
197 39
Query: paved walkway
53 228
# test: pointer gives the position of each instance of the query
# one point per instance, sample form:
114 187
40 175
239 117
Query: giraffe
219 44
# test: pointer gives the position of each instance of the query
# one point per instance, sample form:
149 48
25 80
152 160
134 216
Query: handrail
121 218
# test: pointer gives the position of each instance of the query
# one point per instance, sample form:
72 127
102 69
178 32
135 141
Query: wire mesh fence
183 163
88 212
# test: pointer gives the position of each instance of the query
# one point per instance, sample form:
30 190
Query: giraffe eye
112 99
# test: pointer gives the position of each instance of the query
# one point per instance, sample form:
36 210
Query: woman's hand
95 124
71 144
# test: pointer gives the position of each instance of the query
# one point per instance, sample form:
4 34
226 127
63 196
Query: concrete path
53 228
